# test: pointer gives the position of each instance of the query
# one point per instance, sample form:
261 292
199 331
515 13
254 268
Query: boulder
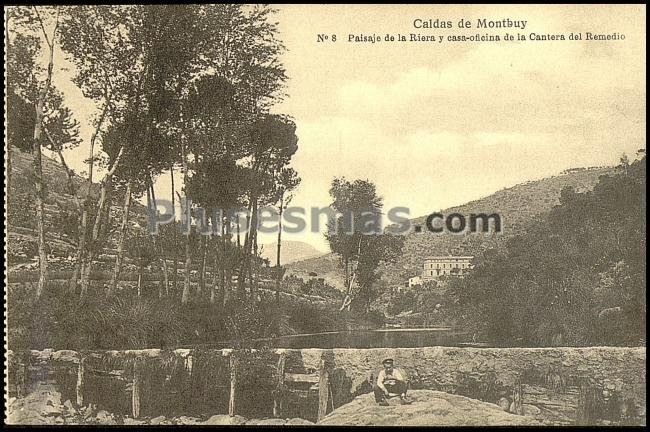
105 418
184 420
504 403
128 421
298 422
157 420
429 408
531 410
271 422
224 419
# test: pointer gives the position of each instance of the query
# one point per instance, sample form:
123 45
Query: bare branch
71 187
40 21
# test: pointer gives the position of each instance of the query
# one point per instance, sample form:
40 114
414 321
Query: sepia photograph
325 215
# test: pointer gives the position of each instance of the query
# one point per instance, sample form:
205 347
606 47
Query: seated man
391 382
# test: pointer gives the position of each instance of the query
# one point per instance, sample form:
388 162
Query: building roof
449 257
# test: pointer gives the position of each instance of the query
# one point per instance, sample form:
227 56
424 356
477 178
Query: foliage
355 235
171 85
575 277
313 286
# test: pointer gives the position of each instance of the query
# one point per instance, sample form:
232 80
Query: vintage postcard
293 215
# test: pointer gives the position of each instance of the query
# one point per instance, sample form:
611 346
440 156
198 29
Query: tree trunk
188 259
188 267
323 390
83 232
140 271
254 268
204 258
103 210
222 267
187 215
234 372
90 253
245 267
80 382
215 276
175 252
135 395
158 248
120 247
39 198
175 269
278 268
227 292
238 233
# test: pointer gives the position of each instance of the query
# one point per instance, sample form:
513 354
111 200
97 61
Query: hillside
517 205
59 206
291 251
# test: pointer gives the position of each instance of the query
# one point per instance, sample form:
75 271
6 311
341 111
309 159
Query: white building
437 266
414 281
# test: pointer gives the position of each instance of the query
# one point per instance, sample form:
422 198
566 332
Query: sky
435 125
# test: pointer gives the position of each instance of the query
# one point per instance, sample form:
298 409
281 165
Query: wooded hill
517 205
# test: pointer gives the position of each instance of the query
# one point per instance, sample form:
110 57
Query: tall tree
274 142
48 20
287 181
116 51
355 235
106 61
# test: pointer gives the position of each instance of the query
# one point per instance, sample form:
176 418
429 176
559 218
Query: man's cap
387 361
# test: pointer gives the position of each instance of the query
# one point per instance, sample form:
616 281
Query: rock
69 407
50 410
429 408
157 420
298 421
224 419
88 411
184 420
504 403
531 410
272 421
105 418
128 421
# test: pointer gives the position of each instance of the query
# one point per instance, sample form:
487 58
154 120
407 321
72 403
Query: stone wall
617 369
436 367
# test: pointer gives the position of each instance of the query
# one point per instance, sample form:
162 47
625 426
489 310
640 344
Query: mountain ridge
291 251
517 205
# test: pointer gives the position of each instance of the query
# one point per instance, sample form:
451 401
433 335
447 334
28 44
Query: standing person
391 382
